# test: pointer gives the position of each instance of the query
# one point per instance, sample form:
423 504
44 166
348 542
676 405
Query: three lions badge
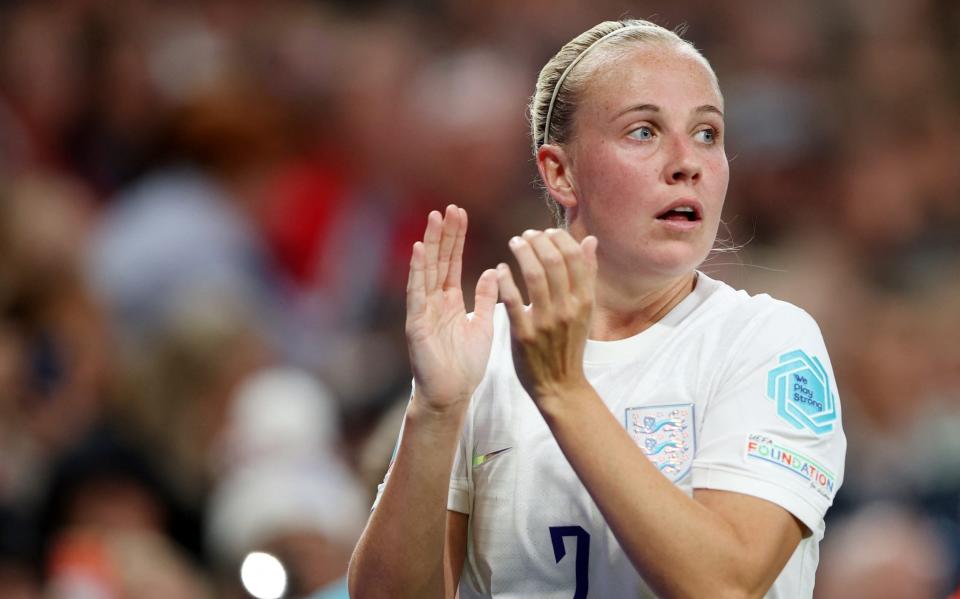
666 435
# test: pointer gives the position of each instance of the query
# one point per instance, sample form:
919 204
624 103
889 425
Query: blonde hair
557 94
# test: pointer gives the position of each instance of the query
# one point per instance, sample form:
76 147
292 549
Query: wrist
428 411
564 400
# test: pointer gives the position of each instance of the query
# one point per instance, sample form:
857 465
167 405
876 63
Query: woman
637 429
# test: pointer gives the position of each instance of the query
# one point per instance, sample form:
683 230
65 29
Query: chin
647 271
673 261
645 255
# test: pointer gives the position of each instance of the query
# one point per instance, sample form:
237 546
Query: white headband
566 71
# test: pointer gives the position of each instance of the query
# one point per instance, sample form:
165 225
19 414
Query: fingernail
550 231
515 241
530 232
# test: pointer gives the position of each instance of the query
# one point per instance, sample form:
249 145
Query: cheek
718 168
616 181
713 192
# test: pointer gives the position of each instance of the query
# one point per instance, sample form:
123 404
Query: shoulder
741 315
756 335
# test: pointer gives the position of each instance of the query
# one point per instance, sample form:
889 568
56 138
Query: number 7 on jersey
557 534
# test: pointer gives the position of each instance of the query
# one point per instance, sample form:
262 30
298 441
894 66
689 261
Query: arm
717 544
709 545
412 546
454 551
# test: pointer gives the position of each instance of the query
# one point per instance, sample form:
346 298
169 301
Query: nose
683 165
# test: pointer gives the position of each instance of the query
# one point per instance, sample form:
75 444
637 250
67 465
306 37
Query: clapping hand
549 336
448 348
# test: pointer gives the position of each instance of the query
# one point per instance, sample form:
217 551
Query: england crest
666 435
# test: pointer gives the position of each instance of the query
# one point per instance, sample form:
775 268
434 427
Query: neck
621 311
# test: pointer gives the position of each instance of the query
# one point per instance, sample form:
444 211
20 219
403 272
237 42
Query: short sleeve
772 429
458 496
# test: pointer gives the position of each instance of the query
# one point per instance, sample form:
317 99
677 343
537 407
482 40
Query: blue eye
643 133
709 136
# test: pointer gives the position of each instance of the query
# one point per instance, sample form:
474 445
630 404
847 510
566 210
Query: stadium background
206 210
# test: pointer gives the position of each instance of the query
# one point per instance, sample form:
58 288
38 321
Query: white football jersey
728 391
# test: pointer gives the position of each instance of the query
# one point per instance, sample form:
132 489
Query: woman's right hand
448 349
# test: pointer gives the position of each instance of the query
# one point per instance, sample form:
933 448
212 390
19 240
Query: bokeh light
263 576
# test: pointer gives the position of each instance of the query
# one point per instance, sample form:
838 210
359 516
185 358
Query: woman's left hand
549 336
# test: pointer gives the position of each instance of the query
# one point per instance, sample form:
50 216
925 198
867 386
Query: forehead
668 75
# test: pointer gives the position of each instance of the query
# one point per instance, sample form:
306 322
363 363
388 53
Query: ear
554 166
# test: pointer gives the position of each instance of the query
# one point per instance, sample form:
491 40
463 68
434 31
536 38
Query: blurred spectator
184 231
53 341
121 564
177 390
111 526
883 552
285 488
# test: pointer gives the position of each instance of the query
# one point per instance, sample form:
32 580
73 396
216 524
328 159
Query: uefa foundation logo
801 388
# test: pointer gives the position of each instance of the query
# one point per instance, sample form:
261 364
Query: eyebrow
654 108
709 108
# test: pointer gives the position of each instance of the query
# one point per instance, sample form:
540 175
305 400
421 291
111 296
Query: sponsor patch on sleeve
763 448
801 389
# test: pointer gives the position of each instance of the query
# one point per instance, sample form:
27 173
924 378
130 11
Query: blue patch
801 388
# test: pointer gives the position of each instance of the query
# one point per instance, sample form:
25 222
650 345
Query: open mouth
680 213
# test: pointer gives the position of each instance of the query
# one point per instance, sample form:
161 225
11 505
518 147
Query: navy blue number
557 533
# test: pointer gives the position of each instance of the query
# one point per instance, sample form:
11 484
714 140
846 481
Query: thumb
486 295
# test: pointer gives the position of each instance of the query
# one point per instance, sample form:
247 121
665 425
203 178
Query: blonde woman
638 429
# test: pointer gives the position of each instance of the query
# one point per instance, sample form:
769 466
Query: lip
695 204
681 226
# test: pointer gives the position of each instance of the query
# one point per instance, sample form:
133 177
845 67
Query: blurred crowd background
206 210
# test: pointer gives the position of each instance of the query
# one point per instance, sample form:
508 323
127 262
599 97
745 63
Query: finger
448 237
486 295
510 294
554 267
533 274
456 258
416 296
573 257
431 246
